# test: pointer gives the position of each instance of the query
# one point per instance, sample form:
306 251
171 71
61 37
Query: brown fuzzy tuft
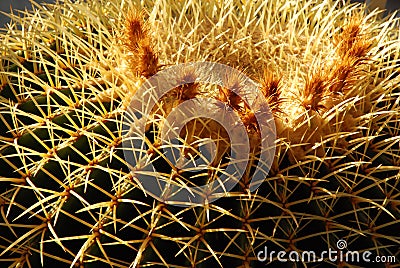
352 50
352 42
188 90
314 92
344 75
136 30
271 89
232 84
143 59
353 47
147 65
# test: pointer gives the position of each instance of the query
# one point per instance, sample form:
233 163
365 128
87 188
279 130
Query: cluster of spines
60 141
336 82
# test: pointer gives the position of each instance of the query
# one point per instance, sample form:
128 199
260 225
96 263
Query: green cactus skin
330 74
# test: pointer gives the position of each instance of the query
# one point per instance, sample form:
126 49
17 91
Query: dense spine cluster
328 72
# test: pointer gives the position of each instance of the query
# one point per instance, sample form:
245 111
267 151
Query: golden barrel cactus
326 72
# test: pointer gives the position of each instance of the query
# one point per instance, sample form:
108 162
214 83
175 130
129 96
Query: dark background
22 4
390 5
16 4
